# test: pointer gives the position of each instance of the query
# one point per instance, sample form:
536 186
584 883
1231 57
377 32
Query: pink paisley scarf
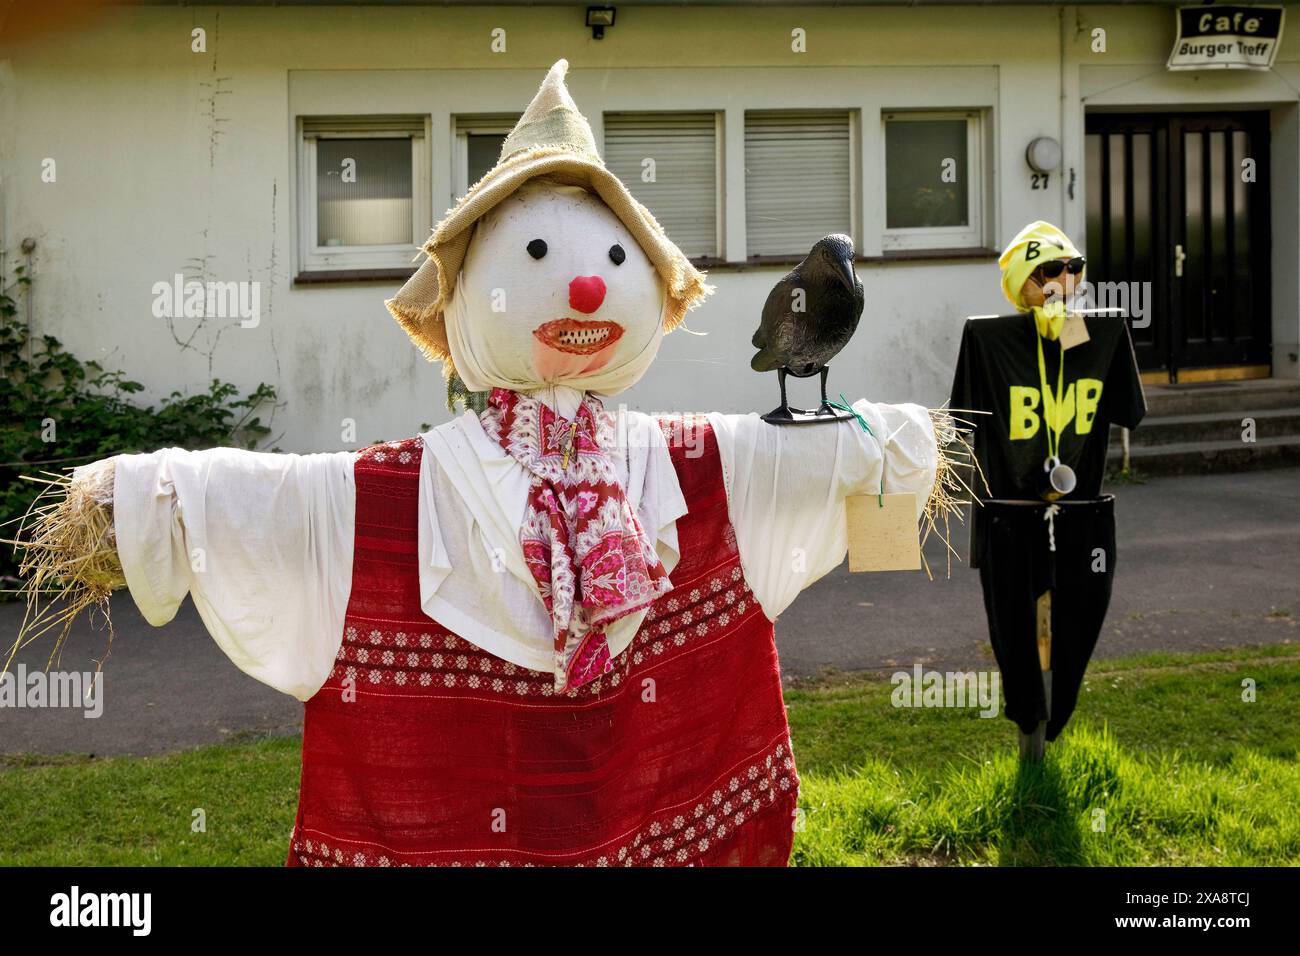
581 539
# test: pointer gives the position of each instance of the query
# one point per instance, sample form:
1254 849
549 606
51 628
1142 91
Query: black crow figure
809 316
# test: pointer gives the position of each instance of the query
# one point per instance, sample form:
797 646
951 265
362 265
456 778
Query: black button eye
616 254
537 248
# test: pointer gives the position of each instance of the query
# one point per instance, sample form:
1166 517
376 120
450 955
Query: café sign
1226 38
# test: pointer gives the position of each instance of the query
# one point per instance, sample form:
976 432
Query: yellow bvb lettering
1024 421
1059 417
1088 397
1080 406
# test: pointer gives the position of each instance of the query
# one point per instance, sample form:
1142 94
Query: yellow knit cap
1035 244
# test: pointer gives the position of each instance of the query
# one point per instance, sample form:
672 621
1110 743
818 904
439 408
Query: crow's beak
844 269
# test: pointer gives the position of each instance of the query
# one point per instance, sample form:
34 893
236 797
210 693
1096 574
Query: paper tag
1074 331
883 535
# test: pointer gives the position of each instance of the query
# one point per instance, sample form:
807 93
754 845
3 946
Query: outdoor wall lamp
598 18
1043 154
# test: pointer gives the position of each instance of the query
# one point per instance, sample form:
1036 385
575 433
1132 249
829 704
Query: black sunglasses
1054 267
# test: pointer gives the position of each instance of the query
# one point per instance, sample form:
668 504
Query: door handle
1179 256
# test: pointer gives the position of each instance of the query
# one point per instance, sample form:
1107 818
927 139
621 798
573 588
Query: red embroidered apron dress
422 749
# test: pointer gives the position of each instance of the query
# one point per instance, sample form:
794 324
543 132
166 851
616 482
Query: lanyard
1052 403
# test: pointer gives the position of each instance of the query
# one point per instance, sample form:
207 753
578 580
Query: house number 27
1039 180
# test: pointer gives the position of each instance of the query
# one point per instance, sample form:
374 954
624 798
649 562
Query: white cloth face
554 291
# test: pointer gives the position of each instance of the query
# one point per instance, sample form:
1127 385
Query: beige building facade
150 147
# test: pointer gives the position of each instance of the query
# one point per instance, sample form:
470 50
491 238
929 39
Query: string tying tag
843 404
1050 517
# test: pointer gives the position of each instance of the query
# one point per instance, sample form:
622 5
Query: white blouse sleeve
262 542
786 487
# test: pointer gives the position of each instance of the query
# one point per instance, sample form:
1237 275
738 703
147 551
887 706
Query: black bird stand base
785 415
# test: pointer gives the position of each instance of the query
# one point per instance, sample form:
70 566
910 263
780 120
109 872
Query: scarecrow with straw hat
541 633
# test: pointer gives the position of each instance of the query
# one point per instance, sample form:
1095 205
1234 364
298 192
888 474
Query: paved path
1204 562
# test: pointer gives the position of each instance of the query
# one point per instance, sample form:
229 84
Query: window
478 147
934 181
669 161
364 189
798 180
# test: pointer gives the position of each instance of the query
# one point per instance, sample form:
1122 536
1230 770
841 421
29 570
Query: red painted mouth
578 336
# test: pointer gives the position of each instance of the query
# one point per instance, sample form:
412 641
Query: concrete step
1208 397
1211 426
1204 457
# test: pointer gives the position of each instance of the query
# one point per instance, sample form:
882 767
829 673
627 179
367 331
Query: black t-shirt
997 372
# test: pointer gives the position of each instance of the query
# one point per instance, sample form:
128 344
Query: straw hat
554 140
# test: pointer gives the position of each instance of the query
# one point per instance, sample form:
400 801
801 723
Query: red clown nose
586 293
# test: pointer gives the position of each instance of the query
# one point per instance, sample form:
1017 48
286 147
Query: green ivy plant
458 393
88 411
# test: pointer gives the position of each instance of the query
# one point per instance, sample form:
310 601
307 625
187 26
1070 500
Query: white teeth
583 336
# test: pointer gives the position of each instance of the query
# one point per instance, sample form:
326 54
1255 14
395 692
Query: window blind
797 180
669 162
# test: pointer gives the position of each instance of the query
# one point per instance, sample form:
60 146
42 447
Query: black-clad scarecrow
1051 381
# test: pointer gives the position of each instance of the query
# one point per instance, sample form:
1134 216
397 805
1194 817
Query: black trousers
1017 564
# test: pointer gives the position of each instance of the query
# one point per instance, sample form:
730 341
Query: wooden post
1032 746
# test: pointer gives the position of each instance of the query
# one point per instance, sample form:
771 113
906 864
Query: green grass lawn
1163 764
